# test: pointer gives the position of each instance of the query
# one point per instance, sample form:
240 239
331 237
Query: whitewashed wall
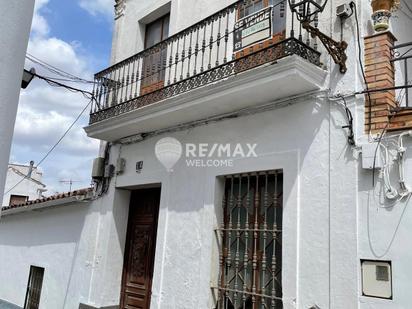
16 20
61 240
190 202
384 228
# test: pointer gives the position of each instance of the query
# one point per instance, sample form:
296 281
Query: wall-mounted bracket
336 49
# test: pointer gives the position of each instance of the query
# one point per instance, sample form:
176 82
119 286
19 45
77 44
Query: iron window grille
251 242
34 287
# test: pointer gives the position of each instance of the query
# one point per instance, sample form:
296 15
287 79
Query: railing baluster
183 56
176 59
209 66
132 79
218 40
122 82
136 89
127 80
116 87
226 35
203 47
189 54
196 50
170 62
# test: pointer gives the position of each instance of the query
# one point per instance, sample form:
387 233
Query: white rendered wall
316 256
384 227
62 241
16 17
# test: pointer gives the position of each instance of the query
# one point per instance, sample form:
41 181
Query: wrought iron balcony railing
226 43
402 54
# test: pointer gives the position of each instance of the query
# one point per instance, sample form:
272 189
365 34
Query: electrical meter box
377 279
98 168
371 153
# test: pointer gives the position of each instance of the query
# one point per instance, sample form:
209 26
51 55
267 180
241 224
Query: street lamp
306 11
27 77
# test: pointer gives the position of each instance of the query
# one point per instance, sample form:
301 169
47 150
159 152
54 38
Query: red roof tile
58 196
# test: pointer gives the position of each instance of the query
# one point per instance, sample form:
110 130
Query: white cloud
95 7
39 24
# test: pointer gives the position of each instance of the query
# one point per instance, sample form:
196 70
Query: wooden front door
140 249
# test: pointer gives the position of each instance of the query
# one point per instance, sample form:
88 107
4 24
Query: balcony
221 64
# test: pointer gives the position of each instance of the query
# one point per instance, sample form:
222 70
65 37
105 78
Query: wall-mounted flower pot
382 12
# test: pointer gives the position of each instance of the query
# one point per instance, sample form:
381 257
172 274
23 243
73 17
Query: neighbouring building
23 183
244 163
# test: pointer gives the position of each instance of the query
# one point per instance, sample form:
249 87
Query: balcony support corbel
336 49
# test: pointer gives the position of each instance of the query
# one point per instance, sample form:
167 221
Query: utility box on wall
376 279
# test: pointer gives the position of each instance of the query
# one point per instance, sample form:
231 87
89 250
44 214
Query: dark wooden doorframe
140 248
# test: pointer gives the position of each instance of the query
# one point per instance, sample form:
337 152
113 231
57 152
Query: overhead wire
409 9
56 70
86 94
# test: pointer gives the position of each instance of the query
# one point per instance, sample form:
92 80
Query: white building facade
228 177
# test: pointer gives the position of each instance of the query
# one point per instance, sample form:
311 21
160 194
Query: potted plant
382 12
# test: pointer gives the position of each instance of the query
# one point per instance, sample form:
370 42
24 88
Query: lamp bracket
336 49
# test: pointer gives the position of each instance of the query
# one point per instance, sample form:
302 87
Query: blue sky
75 36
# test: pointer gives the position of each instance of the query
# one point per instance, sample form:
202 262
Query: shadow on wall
33 228
7 305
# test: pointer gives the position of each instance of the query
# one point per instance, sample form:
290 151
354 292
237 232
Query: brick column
380 73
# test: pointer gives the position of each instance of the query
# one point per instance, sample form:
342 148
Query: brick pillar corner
380 73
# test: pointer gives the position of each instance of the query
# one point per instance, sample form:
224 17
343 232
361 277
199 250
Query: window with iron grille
251 242
34 288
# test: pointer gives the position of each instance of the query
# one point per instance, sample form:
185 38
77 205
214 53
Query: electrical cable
69 80
54 146
379 142
54 69
54 83
407 5
351 135
354 7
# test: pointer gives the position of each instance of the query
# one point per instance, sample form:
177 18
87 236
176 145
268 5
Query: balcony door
153 63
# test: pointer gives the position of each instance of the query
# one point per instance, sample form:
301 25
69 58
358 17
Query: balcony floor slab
268 83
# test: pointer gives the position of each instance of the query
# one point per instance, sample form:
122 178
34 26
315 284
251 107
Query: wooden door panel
140 249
